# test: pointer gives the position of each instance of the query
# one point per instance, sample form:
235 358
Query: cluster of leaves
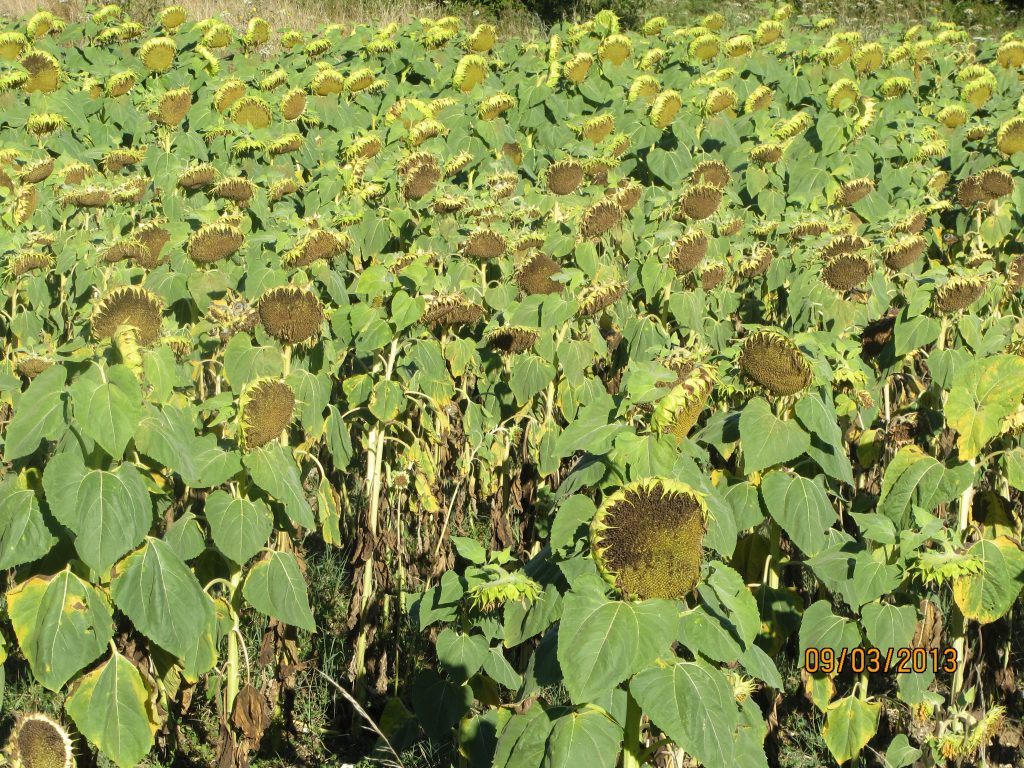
376 285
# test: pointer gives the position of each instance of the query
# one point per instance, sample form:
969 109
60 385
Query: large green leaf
984 392
274 470
108 406
462 655
113 514
167 434
62 624
276 588
38 415
583 738
693 704
849 725
111 708
768 440
240 527
24 536
800 507
160 594
439 703
889 626
602 642
914 479
821 628
987 595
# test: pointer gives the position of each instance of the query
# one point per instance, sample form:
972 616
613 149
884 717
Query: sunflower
774 362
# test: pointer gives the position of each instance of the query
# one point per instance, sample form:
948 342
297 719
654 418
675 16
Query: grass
984 18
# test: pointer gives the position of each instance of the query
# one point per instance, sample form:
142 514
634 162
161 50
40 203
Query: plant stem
959 628
374 460
631 746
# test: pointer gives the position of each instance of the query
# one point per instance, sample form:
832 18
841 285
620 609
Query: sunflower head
774 362
846 271
512 339
688 251
712 275
599 218
38 741
577 67
958 293
317 244
597 297
855 190
678 411
756 262
665 107
713 172
128 306
648 537
213 242
903 252
533 275
700 201
766 154
615 49
173 106
563 177
759 99
265 409
291 314
157 54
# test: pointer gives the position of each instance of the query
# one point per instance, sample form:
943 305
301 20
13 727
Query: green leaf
62 623
573 513
900 754
767 440
889 626
987 595
530 374
1013 465
24 536
914 479
439 703
602 642
462 655
498 669
693 704
914 333
273 469
240 527
820 628
110 707
801 508
38 414
167 434
818 417
849 725
113 515
984 392
584 738
275 587
108 406
163 598
185 537
244 362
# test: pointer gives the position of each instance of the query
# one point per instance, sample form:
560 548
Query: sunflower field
656 387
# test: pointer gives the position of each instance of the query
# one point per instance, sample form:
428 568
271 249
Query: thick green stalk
632 749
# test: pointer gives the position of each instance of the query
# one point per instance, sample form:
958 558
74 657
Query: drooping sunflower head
38 741
316 245
450 310
688 251
237 189
157 54
173 106
855 190
896 86
712 275
599 218
756 262
214 242
846 271
533 275
700 201
265 409
843 243
903 252
128 306
512 339
678 411
713 172
995 182
36 171
766 154
577 67
615 49
644 87
704 47
251 111
420 179
739 45
952 115
172 17
485 244
495 106
958 293
43 69
774 362
648 537
842 94
564 177
290 314
1010 136
665 107
597 297
470 72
